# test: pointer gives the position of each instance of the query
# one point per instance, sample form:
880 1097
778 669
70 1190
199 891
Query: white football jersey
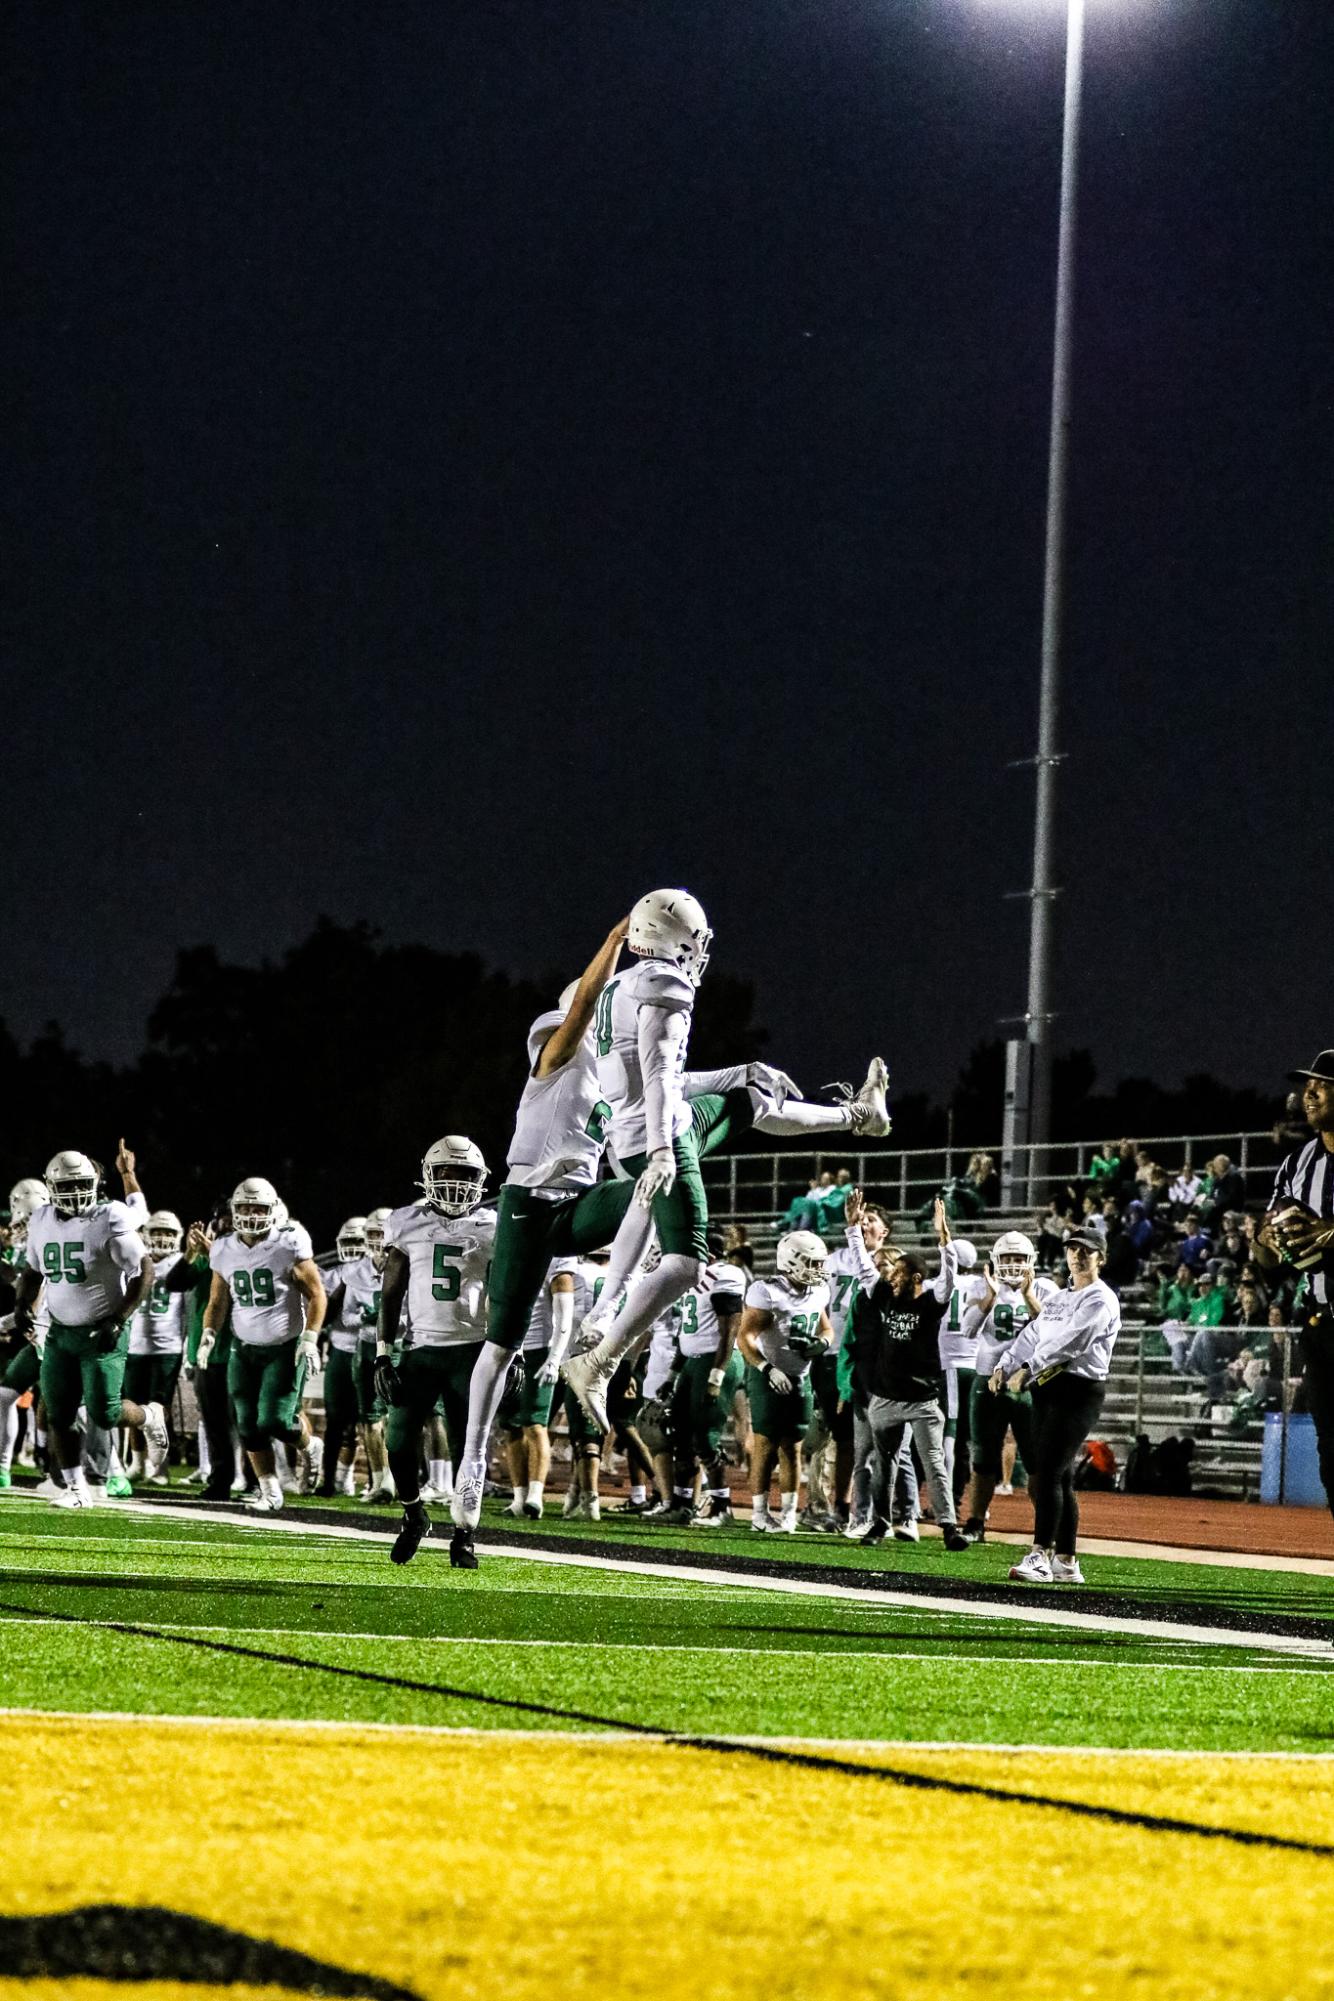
448 1259
793 1313
539 1322
158 1328
957 1349
660 1356
87 1261
361 1298
698 1332
1004 1321
848 1271
267 1304
651 985
560 1127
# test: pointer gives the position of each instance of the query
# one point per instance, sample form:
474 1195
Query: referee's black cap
1323 1067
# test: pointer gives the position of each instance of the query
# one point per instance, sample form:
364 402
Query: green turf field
143 1611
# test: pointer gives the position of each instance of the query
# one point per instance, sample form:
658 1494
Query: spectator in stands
1157 1202
1126 1151
1056 1223
1106 1163
1232 1244
737 1247
1184 1193
1251 1313
803 1211
1128 1239
1176 1291
1227 1190
1195 1243
833 1201
1212 1345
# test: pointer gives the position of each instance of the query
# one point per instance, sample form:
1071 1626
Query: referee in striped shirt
1304 1236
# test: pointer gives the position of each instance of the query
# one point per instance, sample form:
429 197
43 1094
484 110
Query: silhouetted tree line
333 1069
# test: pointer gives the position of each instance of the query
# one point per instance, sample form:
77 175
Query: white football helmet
163 1233
966 1254
351 1240
670 924
375 1249
74 1181
282 1215
453 1176
801 1259
1011 1251
24 1197
255 1208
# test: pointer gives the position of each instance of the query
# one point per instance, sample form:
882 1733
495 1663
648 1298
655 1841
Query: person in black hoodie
893 1334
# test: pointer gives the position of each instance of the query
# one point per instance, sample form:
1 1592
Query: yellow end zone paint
463 1868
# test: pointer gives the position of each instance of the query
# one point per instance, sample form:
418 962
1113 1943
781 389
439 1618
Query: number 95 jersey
267 1307
448 1259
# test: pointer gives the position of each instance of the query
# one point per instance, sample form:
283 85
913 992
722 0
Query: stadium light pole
1029 1068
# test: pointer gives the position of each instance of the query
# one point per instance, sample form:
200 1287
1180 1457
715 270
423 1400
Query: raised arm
561 1044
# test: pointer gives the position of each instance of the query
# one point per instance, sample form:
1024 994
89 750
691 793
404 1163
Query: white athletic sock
271 1486
437 1475
205 1465
9 1426
632 1239
594 1508
788 1507
639 1493
486 1389
536 1489
649 1297
759 1507
797 1116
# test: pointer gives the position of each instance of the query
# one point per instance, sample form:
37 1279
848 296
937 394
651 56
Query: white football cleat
1066 1570
466 1503
907 1531
264 1504
155 1428
869 1108
1034 1569
516 1508
68 1497
588 1378
856 1530
761 1524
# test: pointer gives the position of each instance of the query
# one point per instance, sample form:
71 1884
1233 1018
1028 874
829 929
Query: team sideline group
596 1270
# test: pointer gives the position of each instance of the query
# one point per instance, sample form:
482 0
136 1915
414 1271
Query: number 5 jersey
448 1259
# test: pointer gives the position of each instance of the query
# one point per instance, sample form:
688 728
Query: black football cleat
416 1527
462 1555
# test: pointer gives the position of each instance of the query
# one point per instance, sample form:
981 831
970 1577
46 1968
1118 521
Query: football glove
548 1373
388 1382
807 1345
777 1083
308 1353
107 1337
716 1381
207 1342
517 1377
777 1379
658 1178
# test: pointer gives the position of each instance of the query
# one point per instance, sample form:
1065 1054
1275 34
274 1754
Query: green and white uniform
88 1263
848 1271
157 1339
698 1414
361 1309
990 1417
791 1342
268 1312
448 1260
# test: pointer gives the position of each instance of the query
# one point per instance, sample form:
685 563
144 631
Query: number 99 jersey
267 1307
448 1259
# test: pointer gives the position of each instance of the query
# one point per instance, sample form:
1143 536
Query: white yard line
480 1734
1017 1613
240 1634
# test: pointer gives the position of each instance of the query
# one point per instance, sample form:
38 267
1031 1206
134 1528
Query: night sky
471 462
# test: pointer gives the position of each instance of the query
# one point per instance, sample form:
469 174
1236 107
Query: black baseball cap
1323 1067
1087 1240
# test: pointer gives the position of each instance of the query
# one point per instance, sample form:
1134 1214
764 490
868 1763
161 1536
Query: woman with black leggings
1065 1352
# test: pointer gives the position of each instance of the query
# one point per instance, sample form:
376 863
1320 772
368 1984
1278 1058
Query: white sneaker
261 1504
588 1378
69 1497
869 1110
761 1525
907 1531
856 1530
516 1508
48 1490
155 1428
1034 1569
783 1525
95 1494
572 1499
1004 1487
314 1467
1066 1570
593 1510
